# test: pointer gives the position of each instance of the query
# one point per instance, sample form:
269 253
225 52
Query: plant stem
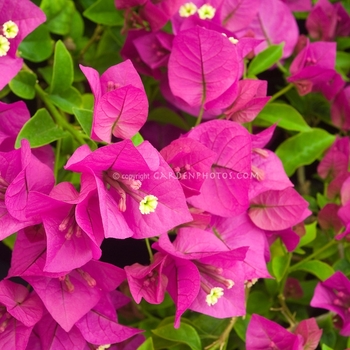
311 256
149 249
222 340
281 92
95 37
57 116
286 312
200 115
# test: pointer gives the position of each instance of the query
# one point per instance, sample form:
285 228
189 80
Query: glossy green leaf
23 85
303 149
318 268
342 265
283 115
84 117
280 266
241 326
40 130
147 345
310 234
67 100
63 74
59 15
265 59
186 334
104 12
137 139
38 45
326 347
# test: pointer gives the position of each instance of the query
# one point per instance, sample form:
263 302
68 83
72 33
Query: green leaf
241 326
265 59
147 345
259 303
167 116
280 266
84 117
343 43
326 347
40 130
186 334
303 149
23 85
59 15
10 241
63 73
318 268
310 234
284 116
104 12
137 139
342 265
67 100
38 45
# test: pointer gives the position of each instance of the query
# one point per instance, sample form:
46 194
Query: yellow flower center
148 204
4 46
188 9
206 12
10 29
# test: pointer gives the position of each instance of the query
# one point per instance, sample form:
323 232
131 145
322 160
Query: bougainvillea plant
175 174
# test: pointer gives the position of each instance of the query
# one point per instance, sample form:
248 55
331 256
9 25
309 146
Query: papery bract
100 325
236 15
298 5
203 64
274 23
340 109
310 332
129 184
278 209
68 245
70 297
12 118
26 17
148 282
334 294
190 160
121 104
250 101
20 174
265 334
54 337
327 21
229 179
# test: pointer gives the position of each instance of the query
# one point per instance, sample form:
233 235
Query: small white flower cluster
10 31
204 12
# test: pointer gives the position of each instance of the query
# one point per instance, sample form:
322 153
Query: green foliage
303 148
104 12
38 45
265 60
40 130
23 85
283 115
59 15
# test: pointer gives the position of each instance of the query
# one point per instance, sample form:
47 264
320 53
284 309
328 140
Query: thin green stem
286 312
312 256
222 341
150 253
57 116
285 276
200 115
281 92
95 37
281 68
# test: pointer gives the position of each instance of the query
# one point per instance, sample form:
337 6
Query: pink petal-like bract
276 210
203 64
